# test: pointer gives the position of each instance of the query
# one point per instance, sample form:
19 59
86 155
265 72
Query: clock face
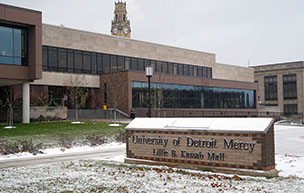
115 30
126 30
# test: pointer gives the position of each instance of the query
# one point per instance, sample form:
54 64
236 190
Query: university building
40 61
280 88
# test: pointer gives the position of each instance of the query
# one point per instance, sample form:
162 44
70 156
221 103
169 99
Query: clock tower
120 23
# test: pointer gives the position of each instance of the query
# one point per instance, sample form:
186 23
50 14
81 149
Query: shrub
95 140
27 145
66 141
121 137
24 145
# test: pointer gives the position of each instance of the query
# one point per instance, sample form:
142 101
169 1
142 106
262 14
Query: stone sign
231 145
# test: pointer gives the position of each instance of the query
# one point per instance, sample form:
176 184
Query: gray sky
262 31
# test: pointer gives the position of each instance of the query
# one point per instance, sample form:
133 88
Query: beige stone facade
279 70
65 79
94 42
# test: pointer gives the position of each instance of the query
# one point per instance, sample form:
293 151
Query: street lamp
149 73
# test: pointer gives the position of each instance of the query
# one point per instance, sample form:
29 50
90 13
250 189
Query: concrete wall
64 79
49 112
89 41
231 72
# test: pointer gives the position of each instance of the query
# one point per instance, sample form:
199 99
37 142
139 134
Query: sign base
239 171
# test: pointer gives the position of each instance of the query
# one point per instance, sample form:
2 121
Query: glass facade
13 46
77 61
187 96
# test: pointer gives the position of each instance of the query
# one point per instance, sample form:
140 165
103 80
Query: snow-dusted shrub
121 137
66 141
27 145
95 140
24 145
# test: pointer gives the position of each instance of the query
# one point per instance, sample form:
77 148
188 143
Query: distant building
185 82
280 87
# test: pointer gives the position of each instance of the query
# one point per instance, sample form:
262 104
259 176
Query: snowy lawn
102 176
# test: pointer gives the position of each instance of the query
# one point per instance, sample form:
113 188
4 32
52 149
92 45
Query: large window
187 96
290 86
290 109
13 46
271 90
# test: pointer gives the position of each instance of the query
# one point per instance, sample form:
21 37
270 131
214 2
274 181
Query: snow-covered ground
110 174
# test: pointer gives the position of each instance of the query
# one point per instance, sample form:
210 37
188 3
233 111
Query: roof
231 125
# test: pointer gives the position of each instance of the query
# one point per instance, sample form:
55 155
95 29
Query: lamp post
149 73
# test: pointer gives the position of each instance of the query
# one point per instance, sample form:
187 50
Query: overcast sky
261 31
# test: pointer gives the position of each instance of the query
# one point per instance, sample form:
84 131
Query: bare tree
161 97
9 103
78 92
116 90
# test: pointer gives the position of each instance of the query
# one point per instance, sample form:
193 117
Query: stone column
26 102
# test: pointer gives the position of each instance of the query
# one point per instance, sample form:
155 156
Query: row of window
77 61
289 87
186 96
13 45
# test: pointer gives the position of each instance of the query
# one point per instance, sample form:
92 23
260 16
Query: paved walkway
61 157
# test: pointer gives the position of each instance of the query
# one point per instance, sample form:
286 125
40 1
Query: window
290 86
86 62
44 58
56 95
191 70
52 59
113 63
158 67
106 63
271 91
127 63
290 109
133 63
180 70
94 63
170 68
120 63
141 65
186 71
13 46
153 64
175 69
62 60
70 61
147 63
164 67
78 61
200 72
195 72
99 64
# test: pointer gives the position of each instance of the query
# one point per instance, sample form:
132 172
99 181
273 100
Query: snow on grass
290 166
98 176
58 151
